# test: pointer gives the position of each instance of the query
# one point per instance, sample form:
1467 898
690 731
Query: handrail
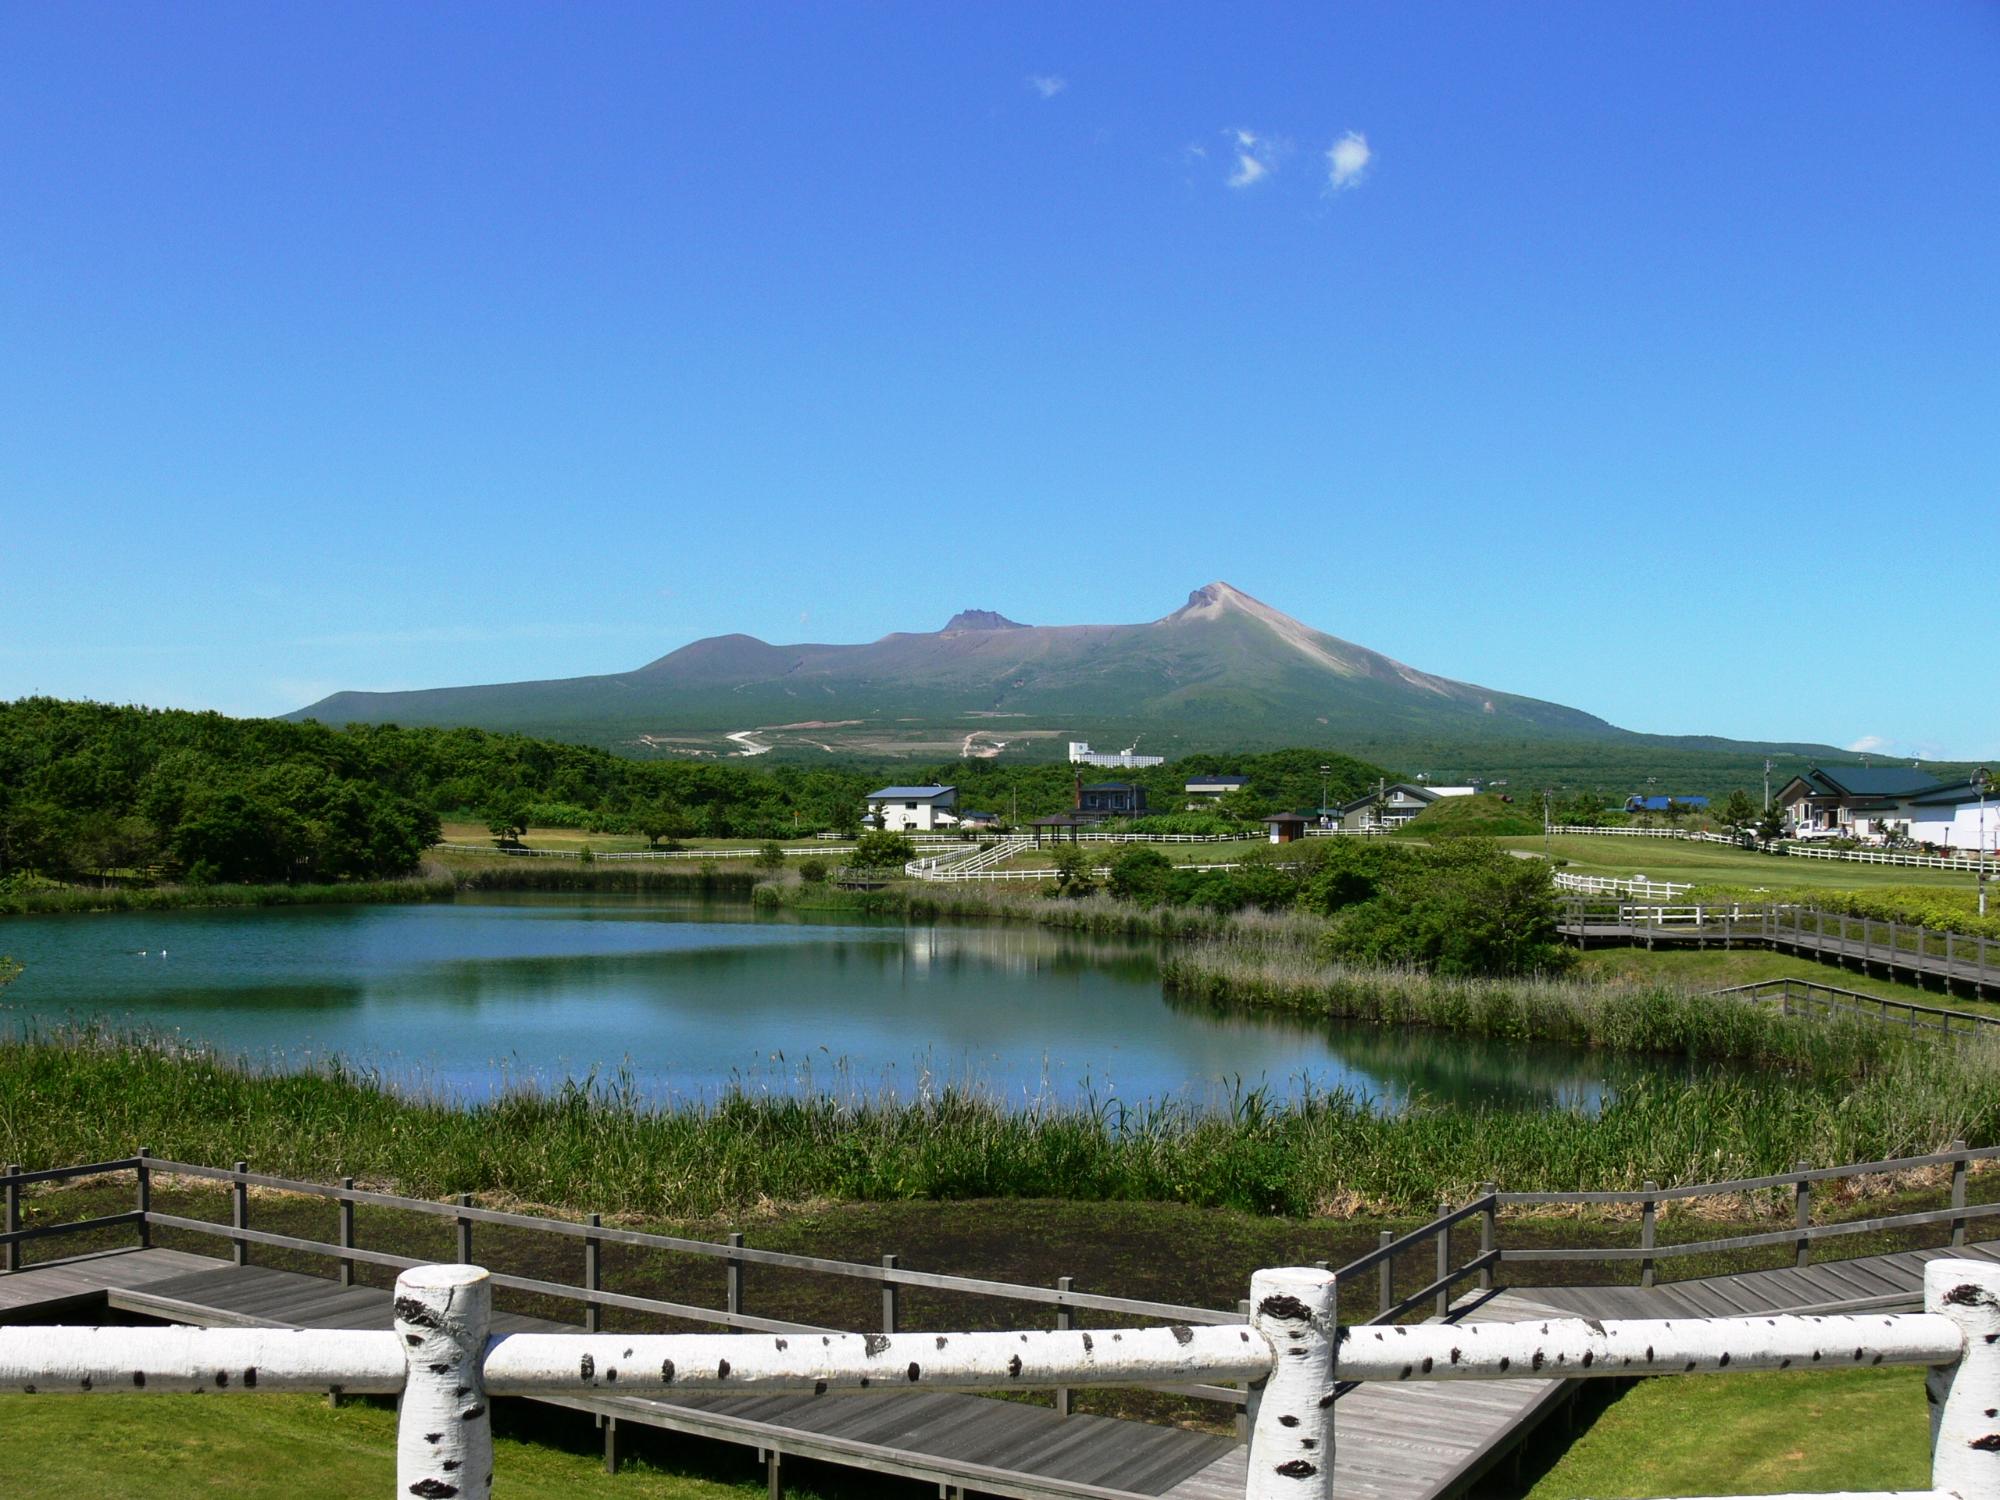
1417 1236
1757 1184
1814 987
58 1174
743 1254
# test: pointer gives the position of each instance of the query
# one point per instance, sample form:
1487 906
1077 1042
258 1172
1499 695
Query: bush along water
79 1095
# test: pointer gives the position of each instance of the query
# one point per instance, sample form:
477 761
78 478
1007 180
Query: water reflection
692 998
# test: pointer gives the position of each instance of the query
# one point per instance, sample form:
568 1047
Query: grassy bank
439 881
1634 1017
76 1095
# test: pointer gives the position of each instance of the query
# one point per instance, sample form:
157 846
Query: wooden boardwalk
1395 1442
1896 949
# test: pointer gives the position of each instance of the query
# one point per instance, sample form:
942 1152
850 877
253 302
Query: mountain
1223 672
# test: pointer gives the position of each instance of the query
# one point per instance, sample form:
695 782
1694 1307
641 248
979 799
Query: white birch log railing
447 1366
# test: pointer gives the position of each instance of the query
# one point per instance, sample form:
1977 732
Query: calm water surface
691 999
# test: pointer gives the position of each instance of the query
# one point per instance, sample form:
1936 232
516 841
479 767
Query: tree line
90 789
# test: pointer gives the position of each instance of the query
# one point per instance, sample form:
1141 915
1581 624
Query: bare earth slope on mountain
1223 671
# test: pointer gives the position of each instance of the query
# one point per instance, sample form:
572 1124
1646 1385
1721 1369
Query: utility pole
1981 780
1323 770
1767 783
1547 794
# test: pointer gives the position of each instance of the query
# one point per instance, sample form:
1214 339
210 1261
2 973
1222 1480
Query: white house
1950 817
912 809
1080 754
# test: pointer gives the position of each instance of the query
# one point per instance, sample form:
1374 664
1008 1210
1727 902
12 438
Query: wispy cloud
1048 85
1871 744
1347 161
1256 156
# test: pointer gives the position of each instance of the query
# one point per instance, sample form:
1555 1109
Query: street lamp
1981 780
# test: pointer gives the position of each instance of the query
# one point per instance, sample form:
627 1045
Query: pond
690 999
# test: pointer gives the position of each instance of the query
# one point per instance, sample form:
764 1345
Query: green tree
664 821
812 870
1075 871
879 849
507 818
1737 812
1771 824
771 858
1138 874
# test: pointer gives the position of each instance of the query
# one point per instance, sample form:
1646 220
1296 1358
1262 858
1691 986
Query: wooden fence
1808 997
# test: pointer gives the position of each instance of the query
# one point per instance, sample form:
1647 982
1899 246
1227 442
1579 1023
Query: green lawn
283 1447
1715 969
1675 859
1231 851
1775 1432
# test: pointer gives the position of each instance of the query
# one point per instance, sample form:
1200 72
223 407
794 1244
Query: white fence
446 1365
814 851
1789 848
1606 885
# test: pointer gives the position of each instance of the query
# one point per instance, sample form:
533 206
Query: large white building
912 809
1080 754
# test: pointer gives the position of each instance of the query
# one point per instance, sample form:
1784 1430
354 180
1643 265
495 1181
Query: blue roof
1659 804
1195 781
909 793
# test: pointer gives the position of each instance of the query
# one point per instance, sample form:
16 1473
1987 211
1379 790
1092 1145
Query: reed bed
1615 1016
85 1093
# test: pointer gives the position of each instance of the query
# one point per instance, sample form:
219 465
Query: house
1392 806
978 822
1211 789
912 809
1659 804
1111 799
1955 817
1080 754
1285 828
1855 802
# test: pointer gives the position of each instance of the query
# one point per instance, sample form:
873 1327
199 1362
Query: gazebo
1056 825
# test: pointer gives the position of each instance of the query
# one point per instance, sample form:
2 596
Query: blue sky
1643 358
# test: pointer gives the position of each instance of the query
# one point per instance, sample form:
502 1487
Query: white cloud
1247 139
1248 170
1048 85
1872 744
1347 161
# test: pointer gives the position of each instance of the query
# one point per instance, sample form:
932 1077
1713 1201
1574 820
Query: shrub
812 870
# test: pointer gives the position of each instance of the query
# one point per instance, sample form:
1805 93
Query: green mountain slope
1223 672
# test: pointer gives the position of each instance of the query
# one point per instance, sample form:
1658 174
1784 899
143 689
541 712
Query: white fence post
1291 1413
444 1434
1965 1437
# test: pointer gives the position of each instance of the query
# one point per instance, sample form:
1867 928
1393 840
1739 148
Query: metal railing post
1958 1171
1065 1321
12 1261
346 1231
1385 1275
464 1231
1802 1198
239 1214
593 1276
144 1198
1489 1228
1648 1232
733 1281
1443 1259
890 1296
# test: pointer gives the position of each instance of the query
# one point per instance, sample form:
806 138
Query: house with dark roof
1637 804
912 809
1956 817
1111 799
1391 806
1854 802
1206 790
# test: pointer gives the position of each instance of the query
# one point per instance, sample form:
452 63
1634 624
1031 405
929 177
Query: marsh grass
1612 1015
76 1094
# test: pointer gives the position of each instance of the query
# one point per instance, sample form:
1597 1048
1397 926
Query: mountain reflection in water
694 998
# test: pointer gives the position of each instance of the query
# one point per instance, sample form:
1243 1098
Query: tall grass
85 1094
1618 1016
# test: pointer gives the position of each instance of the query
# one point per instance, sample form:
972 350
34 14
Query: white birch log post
444 1432
1295 1309
1965 1395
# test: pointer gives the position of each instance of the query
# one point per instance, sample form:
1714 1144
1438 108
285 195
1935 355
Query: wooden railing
1808 997
443 1362
1804 1234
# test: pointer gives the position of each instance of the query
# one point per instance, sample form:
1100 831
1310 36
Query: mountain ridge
1225 670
